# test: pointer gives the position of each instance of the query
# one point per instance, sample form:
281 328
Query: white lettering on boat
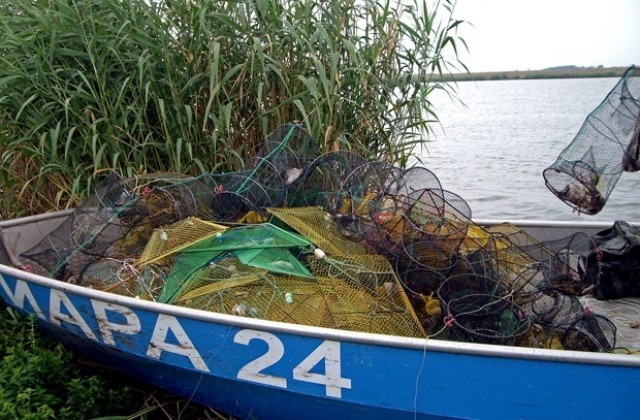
21 293
57 300
332 378
131 326
328 351
185 347
252 371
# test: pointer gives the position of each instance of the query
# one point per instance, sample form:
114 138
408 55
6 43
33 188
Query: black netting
118 220
586 171
323 178
481 309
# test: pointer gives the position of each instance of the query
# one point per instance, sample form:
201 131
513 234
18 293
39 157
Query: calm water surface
492 149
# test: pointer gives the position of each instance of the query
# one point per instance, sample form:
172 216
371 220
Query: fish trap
413 180
123 278
608 143
321 229
289 149
439 222
117 220
239 193
504 257
271 178
549 307
563 322
357 293
323 178
481 310
590 332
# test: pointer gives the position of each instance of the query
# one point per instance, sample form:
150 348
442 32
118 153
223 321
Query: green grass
41 379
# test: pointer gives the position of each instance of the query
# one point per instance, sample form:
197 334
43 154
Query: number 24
329 351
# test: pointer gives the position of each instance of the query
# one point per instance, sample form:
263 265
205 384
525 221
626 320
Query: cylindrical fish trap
586 171
420 280
439 221
590 332
481 310
322 180
237 193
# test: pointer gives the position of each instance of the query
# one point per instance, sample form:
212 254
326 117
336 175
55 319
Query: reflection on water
492 150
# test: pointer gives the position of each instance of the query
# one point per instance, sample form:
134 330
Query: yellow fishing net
170 239
357 293
364 293
320 229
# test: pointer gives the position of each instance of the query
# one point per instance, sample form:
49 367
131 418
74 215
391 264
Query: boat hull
260 369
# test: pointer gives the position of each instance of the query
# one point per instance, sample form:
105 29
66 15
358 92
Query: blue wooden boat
254 368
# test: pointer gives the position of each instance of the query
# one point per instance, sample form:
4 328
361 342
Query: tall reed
90 86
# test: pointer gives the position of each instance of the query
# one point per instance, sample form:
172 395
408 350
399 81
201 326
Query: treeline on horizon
560 72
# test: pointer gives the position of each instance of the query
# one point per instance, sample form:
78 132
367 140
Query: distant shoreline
564 72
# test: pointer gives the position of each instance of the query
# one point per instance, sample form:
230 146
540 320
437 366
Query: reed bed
135 86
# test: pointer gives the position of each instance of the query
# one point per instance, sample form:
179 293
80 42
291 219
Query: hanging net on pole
608 143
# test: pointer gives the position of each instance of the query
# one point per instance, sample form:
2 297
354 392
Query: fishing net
608 143
371 280
206 272
358 293
481 309
322 230
264 247
118 220
167 240
330 240
323 178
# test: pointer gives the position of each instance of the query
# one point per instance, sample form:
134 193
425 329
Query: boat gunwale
592 224
423 344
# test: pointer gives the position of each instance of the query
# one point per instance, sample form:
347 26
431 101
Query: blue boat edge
253 368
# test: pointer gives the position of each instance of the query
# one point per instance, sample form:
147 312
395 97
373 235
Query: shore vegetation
559 72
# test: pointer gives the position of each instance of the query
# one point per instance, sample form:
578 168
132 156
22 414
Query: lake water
492 150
